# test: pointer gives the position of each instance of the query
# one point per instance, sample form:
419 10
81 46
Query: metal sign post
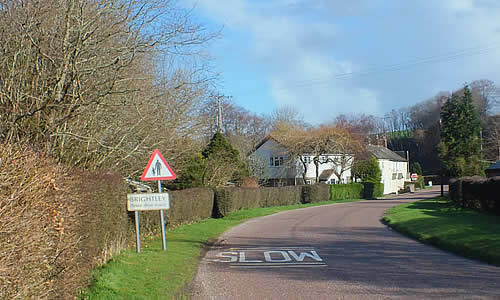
137 231
148 201
162 216
156 169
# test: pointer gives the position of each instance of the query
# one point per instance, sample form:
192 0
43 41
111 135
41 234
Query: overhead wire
450 56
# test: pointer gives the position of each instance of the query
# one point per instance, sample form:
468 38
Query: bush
420 183
315 193
372 190
346 191
367 170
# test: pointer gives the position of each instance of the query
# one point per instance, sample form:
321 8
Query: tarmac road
338 251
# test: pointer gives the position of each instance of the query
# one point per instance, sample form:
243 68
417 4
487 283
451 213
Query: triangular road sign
157 168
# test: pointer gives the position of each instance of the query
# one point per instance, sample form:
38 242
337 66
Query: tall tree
460 146
221 162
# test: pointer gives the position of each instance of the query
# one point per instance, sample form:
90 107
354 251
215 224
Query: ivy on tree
460 146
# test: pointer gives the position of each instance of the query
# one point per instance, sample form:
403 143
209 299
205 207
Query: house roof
381 152
494 166
264 140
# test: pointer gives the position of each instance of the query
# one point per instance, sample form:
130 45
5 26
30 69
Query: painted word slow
255 258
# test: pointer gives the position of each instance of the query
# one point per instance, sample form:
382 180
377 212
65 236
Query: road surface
338 251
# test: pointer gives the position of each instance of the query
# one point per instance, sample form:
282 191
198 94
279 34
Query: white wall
292 169
311 169
272 149
389 168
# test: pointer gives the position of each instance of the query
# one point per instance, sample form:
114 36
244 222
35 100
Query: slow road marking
288 257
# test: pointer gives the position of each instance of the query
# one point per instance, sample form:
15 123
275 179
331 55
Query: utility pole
219 115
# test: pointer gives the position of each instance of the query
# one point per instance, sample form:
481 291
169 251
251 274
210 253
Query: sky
326 58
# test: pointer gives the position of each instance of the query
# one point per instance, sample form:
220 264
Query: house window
276 161
394 176
307 159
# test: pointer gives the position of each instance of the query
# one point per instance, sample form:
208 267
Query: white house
393 166
282 170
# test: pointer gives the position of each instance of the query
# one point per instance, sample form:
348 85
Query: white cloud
292 52
300 47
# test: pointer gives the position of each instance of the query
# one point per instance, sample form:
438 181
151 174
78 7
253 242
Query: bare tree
80 78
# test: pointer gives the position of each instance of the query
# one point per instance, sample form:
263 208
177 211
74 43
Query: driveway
337 251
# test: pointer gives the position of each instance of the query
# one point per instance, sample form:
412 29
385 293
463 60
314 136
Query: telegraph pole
219 115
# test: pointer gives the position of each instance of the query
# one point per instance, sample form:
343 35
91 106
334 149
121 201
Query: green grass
158 274
437 222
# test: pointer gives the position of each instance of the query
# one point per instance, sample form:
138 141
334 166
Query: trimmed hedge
315 193
346 191
57 224
372 190
228 200
286 195
186 206
477 193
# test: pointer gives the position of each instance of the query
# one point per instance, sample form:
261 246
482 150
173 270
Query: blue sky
325 57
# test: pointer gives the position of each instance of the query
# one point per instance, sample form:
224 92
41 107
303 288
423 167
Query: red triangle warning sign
157 168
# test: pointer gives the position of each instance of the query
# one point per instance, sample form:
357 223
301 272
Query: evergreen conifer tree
460 146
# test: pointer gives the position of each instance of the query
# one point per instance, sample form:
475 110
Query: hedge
477 193
346 191
372 190
186 206
57 224
315 193
228 200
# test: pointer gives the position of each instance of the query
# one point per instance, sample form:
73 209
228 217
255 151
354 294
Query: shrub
346 191
368 170
372 190
420 183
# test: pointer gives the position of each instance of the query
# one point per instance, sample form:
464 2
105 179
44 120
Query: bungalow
281 169
394 168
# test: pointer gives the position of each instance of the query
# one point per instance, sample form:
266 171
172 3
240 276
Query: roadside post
156 169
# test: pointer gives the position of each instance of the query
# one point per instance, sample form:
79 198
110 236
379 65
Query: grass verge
159 274
437 222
